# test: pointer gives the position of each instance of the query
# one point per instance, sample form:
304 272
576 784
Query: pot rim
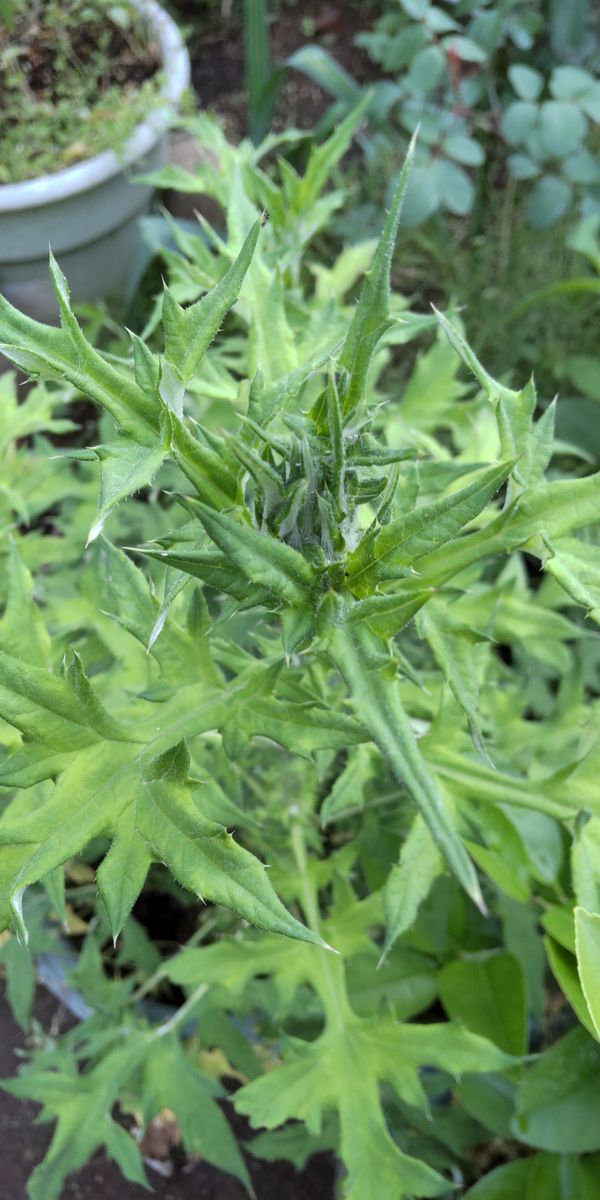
48 189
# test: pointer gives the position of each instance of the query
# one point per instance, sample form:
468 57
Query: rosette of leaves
337 542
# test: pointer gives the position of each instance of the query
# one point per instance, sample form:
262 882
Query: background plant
463 75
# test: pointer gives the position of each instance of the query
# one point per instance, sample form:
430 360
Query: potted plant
86 95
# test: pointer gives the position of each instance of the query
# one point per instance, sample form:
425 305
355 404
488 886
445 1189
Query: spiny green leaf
65 354
64 1097
63 714
409 883
189 332
216 569
372 311
262 559
204 465
29 641
124 469
576 567
424 530
344 1069
324 157
377 704
347 793
453 646
172 1081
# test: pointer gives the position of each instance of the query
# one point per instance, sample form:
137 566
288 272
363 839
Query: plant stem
163 969
182 1013
333 994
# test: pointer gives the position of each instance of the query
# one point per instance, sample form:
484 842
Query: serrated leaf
576 567
344 1069
64 1098
124 469
376 701
59 713
423 530
66 354
372 311
215 569
29 641
347 792
262 559
171 1081
410 882
189 332
136 793
453 645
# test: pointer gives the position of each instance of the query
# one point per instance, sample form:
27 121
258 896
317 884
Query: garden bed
216 47
23 1144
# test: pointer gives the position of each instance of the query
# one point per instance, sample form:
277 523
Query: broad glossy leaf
587 943
558 1103
488 994
563 965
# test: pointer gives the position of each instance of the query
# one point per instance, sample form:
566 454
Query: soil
38 44
216 45
23 1145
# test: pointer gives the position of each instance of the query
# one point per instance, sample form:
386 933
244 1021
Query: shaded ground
216 47
23 1144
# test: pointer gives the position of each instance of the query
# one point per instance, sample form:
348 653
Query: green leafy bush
356 661
464 77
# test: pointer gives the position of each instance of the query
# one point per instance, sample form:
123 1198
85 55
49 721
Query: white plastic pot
88 213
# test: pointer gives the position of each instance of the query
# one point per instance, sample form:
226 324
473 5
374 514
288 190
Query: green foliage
466 80
359 636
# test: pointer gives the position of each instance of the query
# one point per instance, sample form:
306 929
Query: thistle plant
327 640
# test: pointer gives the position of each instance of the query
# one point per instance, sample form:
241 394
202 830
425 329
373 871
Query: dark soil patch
46 46
216 45
23 1144
72 83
